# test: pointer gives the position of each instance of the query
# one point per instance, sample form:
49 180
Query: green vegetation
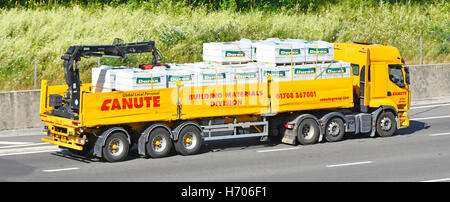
46 29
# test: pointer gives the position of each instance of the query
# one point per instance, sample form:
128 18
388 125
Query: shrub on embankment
179 31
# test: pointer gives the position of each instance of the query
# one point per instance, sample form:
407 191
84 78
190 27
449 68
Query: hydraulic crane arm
71 73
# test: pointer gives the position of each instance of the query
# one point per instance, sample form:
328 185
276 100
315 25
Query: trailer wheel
189 141
334 130
116 147
159 143
308 132
386 124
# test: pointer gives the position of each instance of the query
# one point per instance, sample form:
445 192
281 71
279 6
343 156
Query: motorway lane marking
273 150
14 143
348 164
438 134
30 150
428 106
60 169
438 180
23 145
34 152
432 117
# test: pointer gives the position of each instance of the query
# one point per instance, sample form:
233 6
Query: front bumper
63 132
56 142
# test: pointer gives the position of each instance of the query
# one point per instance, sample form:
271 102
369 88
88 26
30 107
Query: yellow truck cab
373 100
380 77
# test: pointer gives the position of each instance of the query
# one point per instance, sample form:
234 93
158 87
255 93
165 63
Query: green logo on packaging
311 70
336 70
275 73
147 80
214 76
234 54
174 78
318 51
289 52
250 75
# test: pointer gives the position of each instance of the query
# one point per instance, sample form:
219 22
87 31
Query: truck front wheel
116 147
386 124
189 141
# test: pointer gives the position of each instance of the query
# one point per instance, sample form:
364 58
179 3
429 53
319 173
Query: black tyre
116 147
159 143
334 130
386 124
189 141
308 132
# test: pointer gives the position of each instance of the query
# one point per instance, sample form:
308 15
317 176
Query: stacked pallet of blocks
238 62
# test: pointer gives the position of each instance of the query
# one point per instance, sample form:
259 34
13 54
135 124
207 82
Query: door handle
389 93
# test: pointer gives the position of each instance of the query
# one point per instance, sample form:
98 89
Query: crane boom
71 72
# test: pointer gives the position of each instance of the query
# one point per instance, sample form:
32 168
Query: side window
396 75
355 69
407 74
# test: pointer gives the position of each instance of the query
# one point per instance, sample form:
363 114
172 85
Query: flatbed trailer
305 111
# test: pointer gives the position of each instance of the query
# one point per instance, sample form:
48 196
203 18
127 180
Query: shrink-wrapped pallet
227 52
282 52
214 76
277 73
141 79
305 72
253 44
335 70
320 51
243 73
103 78
188 77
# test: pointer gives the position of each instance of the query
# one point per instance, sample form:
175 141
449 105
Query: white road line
28 150
433 117
438 180
438 134
428 106
23 145
349 164
61 169
33 152
14 143
273 150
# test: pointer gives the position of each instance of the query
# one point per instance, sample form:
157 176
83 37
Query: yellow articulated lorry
373 100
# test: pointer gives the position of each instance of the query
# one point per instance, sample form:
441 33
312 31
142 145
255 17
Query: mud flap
289 137
99 146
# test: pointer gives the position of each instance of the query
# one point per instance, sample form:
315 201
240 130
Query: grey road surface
420 153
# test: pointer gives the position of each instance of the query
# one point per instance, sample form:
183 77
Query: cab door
397 88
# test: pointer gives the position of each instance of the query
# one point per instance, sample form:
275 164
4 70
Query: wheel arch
104 135
378 111
302 117
177 129
326 118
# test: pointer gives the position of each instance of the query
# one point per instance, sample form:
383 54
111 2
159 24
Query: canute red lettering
127 103
156 101
148 101
105 106
141 102
130 103
115 105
